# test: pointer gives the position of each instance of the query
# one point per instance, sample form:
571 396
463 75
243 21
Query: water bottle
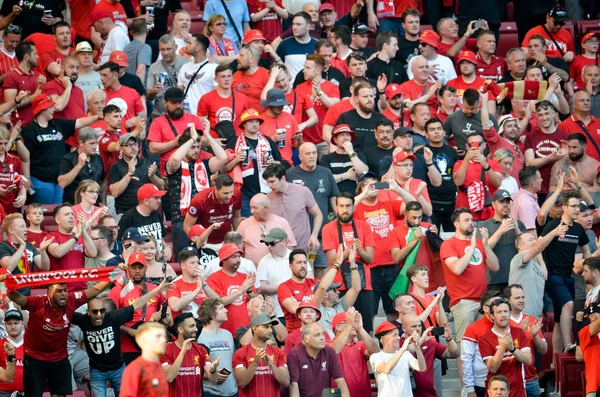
281 131
186 106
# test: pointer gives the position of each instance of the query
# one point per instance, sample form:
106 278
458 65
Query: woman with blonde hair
13 192
86 196
506 159
155 270
223 50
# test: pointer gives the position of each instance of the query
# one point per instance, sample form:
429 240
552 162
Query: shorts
321 260
382 279
561 290
465 312
80 363
37 373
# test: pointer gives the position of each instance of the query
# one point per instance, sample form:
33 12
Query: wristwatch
513 350
353 155
488 168
355 267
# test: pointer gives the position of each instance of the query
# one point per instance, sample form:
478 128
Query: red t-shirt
402 5
188 381
477 329
11 166
144 378
299 104
354 364
35 238
461 86
410 186
263 384
340 65
285 121
48 328
562 37
223 285
17 383
544 145
161 131
126 99
251 86
7 62
75 108
20 81
474 175
570 126
590 347
269 25
424 380
217 108
410 91
74 259
109 158
475 271
183 288
301 292
331 241
115 9
208 210
510 367
315 134
126 296
576 69
398 121
530 372
83 10
334 112
53 56
422 303
494 71
382 218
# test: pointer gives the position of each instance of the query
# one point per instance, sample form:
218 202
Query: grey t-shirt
505 250
327 314
221 345
461 126
530 277
155 69
88 83
320 182
138 53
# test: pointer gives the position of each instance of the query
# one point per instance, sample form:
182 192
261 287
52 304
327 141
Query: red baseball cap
252 35
196 230
98 14
337 319
589 36
136 257
401 156
342 129
311 305
326 7
430 37
119 57
467 56
40 103
392 90
384 328
227 250
149 190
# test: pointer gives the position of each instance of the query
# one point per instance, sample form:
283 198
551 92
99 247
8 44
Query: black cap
500 195
13 315
366 174
592 308
559 13
401 131
134 234
583 206
360 28
174 94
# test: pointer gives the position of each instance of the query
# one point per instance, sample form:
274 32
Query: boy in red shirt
13 323
589 350
35 217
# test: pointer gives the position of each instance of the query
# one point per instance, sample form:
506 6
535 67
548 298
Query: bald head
307 152
420 69
581 103
411 324
259 207
311 9
260 199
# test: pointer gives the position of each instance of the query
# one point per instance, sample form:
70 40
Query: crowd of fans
269 185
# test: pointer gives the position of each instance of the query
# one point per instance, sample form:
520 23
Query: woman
506 160
154 269
12 189
45 139
222 50
86 197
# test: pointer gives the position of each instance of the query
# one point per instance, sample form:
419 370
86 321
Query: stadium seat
425 27
583 383
510 11
571 29
509 38
342 7
584 27
550 317
568 380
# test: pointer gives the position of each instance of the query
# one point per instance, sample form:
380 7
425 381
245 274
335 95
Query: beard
243 68
365 108
345 218
176 114
576 157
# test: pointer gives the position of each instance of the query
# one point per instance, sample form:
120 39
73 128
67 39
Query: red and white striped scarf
200 180
261 153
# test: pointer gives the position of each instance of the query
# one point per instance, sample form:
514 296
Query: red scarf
200 180
229 47
24 268
261 154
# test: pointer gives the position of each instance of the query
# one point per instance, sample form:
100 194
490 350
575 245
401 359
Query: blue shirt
293 54
239 13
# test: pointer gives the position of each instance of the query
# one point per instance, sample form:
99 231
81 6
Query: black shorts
37 374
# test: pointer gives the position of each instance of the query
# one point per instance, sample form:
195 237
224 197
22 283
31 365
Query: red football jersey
263 384
188 381
144 378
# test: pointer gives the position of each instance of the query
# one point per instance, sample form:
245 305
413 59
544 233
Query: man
589 348
127 99
67 97
384 132
196 78
180 30
346 104
532 327
418 89
558 256
156 85
469 78
234 288
145 375
503 231
116 37
103 240
312 365
463 256
408 44
260 368
125 78
80 165
516 65
250 78
542 145
393 363
190 289
51 61
24 78
490 66
525 202
185 362
591 276
507 137
88 79
385 63
450 44
13 324
137 51
100 329
278 124
504 348
360 40
578 160
582 121
559 40
440 66
257 306
324 48
345 163
357 67
396 111
45 361
219 204
293 50
339 36
8 61
589 45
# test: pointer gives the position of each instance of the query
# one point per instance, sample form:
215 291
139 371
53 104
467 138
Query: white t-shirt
397 382
592 296
181 44
203 82
246 267
116 40
275 271
445 68
510 185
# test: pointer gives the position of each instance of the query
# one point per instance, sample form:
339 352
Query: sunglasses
221 24
98 311
272 243
14 29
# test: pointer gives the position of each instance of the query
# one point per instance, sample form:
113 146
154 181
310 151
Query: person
13 322
384 132
185 362
581 121
126 98
532 327
589 348
313 355
221 49
462 256
11 38
51 61
45 360
591 275
360 40
408 44
67 97
325 48
13 192
489 65
88 79
560 42
260 368
180 30
468 65
34 216
525 202
417 89
506 138
116 37
396 112
477 179
212 313
137 51
100 329
238 18
393 363
589 45
385 64
250 78
578 167
440 66
504 348
145 375
293 50
109 148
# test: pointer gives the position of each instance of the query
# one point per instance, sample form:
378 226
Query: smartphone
478 25
225 371
382 185
47 13
475 145
437 331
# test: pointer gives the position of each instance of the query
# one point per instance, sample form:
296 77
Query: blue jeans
393 25
46 192
533 388
98 381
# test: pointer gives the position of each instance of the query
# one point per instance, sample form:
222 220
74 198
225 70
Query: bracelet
17 102
273 317
513 350
579 187
130 174
204 285
336 265
448 339
75 238
428 164
213 372
341 177
489 167
355 267
11 359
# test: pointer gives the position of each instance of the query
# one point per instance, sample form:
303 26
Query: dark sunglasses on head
13 29
98 311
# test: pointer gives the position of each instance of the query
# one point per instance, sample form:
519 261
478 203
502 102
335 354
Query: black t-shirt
151 225
347 82
128 199
7 249
340 163
560 253
364 128
444 159
366 52
175 188
539 228
133 81
251 182
394 70
375 156
30 18
332 74
103 343
161 17
406 50
93 169
47 147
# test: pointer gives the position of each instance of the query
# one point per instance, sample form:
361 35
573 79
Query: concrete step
452 392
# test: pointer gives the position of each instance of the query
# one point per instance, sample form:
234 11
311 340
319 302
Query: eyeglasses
92 191
14 29
98 238
272 243
221 24
111 228
98 311
499 301
573 206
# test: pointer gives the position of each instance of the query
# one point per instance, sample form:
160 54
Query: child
35 217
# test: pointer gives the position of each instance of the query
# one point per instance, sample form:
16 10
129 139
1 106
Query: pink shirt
252 232
77 209
293 205
525 208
